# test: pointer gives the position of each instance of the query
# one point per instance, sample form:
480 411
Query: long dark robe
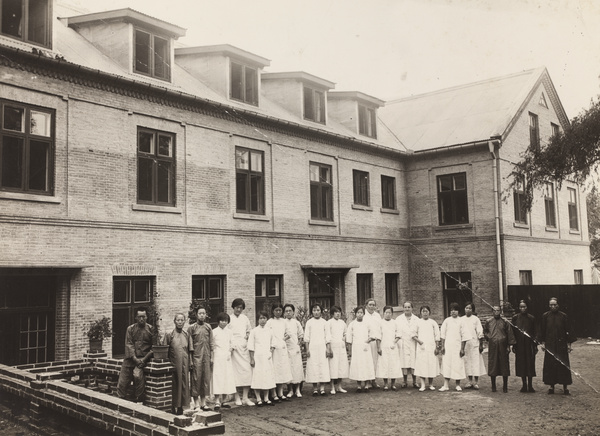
499 335
556 333
525 347
202 344
179 355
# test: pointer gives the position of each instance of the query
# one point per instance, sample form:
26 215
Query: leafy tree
593 209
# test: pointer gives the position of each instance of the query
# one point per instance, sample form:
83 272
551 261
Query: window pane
121 292
12 17
146 142
272 287
314 173
314 201
141 291
251 86
145 178
256 193
38 19
40 123
164 182
326 203
38 165
459 182
309 104
142 52
162 58
198 289
256 162
214 289
445 209
325 175
12 162
236 81
462 213
362 120
259 287
319 107
242 159
445 183
573 223
165 145
14 118
241 186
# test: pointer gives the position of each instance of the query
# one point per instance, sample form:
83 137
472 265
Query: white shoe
444 389
432 388
238 402
458 388
332 392
342 390
248 402
422 388
298 394
290 394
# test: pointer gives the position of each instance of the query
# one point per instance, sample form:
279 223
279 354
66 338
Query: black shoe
180 411
505 389
494 389
530 389
523 389
550 391
566 392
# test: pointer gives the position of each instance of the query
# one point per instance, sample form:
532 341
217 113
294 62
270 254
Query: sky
397 48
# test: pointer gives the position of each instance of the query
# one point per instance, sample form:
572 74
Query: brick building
132 171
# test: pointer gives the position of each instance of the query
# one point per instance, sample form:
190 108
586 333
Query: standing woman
525 348
240 329
408 347
318 350
474 365
179 342
372 317
427 336
359 336
338 363
295 333
454 339
281 361
388 365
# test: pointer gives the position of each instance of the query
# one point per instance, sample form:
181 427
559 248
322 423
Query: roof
300 76
462 114
224 49
358 96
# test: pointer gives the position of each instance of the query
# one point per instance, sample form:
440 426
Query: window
388 192
364 288
367 121
26 149
573 219
152 55
534 132
525 278
156 167
543 101
578 276
321 192
457 289
314 105
267 291
555 129
244 83
452 199
129 293
519 198
325 288
549 204
361 187
209 291
250 182
27 20
391 289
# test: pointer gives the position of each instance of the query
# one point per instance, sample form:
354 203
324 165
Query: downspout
492 147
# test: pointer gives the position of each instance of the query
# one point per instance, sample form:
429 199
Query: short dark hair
334 309
424 307
289 305
238 302
141 309
223 317
316 305
357 308
454 306
386 308
469 303
276 306
263 313
553 298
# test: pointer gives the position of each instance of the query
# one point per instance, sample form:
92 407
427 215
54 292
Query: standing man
201 359
138 350
525 348
179 342
499 335
556 337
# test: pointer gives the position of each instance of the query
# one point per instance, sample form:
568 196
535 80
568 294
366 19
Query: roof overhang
61 269
225 50
358 96
328 267
300 76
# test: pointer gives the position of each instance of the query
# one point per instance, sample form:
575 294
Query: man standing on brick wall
138 350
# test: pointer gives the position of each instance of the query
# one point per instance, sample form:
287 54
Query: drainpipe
492 147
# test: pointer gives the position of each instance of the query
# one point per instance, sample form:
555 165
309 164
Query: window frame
26 138
314 108
519 201
247 95
213 305
26 21
525 277
454 196
550 205
573 209
156 160
555 129
391 289
578 276
451 293
323 188
360 184
265 299
388 192
249 174
367 121
534 131
152 54
364 288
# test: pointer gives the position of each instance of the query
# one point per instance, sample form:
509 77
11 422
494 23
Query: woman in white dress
388 364
427 336
360 336
223 376
240 358
474 365
373 318
338 363
454 338
318 350
407 322
295 333
260 347
281 361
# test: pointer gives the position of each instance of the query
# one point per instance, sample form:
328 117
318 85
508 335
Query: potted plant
96 331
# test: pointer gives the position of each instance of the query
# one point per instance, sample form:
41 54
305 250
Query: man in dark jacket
500 336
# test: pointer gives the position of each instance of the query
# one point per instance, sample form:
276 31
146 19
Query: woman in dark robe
179 342
525 348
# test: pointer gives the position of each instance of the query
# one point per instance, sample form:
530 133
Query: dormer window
314 105
367 121
244 83
27 20
152 55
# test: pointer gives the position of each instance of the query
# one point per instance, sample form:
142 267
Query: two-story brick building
132 171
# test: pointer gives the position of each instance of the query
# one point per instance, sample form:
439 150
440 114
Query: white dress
388 365
474 365
427 363
408 346
374 320
361 363
453 331
316 334
338 364
242 371
281 361
295 332
260 342
223 376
